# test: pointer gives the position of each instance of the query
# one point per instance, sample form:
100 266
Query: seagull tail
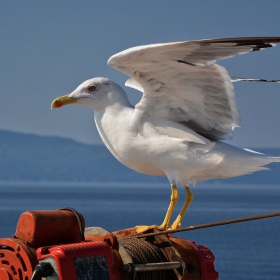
259 160
237 162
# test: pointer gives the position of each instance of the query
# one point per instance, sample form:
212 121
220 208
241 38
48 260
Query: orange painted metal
35 229
17 259
49 227
199 260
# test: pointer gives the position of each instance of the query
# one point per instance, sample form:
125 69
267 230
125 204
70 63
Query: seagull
187 108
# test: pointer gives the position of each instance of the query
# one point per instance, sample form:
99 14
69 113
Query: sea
248 250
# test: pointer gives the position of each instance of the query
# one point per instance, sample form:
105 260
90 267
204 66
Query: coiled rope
143 252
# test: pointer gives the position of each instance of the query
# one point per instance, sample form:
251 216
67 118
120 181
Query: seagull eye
91 88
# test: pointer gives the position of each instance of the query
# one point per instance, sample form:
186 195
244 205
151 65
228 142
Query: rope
214 224
143 252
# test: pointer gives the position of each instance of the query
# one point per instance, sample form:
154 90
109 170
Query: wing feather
181 82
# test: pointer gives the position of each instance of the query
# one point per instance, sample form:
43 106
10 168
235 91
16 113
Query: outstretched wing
181 82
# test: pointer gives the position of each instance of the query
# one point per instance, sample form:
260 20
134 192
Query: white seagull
188 106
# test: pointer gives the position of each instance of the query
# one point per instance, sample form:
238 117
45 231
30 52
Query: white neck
110 123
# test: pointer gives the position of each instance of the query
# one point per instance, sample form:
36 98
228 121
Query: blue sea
249 250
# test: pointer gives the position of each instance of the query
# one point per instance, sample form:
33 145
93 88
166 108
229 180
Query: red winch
55 245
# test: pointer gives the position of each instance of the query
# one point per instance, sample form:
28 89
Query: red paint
49 227
65 256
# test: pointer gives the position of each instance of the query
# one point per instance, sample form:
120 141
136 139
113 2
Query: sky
49 47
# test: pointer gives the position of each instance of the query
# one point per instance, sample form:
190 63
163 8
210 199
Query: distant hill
28 157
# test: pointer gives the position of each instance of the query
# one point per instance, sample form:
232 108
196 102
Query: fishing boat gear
55 245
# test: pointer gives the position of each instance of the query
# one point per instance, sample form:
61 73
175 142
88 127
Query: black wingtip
261 47
189 63
236 79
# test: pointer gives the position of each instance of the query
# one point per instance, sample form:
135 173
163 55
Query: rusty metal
49 227
157 266
161 255
161 243
199 260
144 252
192 266
129 232
164 243
153 266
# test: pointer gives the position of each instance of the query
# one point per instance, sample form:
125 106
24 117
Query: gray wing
181 82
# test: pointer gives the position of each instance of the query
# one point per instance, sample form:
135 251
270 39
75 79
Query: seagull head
97 93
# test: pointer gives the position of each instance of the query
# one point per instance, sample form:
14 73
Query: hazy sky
49 47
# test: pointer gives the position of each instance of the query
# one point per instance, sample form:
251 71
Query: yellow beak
63 100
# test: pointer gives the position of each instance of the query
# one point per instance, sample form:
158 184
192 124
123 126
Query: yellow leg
189 198
173 200
166 222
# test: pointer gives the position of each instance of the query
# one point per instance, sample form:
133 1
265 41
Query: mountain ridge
31 157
